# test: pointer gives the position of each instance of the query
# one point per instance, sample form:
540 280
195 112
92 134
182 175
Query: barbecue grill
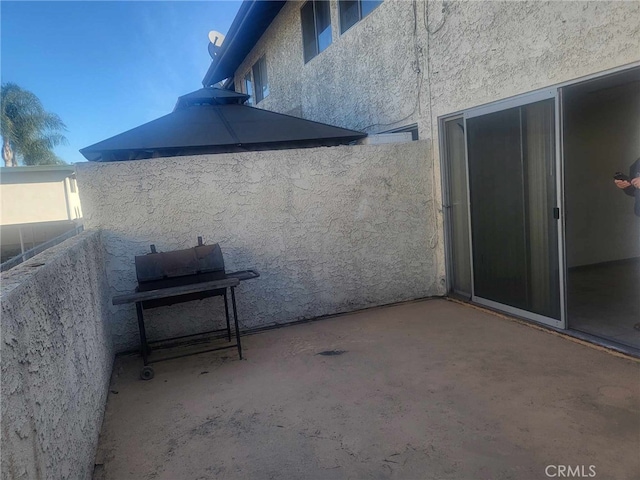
167 278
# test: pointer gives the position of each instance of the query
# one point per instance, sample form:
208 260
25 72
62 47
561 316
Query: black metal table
216 287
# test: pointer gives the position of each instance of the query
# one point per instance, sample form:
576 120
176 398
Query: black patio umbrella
215 120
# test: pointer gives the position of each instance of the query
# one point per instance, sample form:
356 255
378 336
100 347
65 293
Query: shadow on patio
428 389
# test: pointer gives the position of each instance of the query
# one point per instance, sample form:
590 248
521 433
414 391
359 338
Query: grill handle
243 275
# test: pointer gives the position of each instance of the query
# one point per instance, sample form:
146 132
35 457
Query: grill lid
179 263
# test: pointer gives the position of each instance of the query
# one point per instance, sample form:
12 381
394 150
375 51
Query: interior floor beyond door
603 300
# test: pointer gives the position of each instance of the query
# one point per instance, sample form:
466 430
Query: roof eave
238 21
251 21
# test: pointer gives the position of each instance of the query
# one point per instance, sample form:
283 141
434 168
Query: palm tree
28 131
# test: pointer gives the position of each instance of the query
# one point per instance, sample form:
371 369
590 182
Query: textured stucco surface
414 61
329 229
57 357
367 79
486 51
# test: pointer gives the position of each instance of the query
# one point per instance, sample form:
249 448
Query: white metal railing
18 259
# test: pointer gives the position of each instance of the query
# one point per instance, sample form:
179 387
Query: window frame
250 78
316 35
261 89
360 16
247 78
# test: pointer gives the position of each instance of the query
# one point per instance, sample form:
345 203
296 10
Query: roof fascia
242 15
253 19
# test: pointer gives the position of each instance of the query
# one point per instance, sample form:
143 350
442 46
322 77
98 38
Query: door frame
520 100
503 104
445 185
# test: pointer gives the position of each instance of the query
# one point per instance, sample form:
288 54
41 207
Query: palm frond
31 130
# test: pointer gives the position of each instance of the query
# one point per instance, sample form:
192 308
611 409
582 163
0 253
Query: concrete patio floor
423 390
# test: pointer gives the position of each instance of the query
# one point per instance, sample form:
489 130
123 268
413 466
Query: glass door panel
512 181
497 208
539 143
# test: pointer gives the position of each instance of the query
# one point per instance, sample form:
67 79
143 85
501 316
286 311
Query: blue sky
106 67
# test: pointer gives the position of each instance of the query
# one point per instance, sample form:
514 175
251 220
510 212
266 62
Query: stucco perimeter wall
329 229
57 357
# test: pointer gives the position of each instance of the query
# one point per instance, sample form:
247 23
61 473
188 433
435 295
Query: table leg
235 319
226 314
144 347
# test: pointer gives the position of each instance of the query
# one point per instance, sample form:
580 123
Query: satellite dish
216 38
215 41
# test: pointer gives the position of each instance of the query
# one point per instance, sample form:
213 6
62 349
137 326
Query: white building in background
37 204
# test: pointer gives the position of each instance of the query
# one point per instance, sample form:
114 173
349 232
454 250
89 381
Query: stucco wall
56 361
486 51
448 55
367 79
480 52
412 62
330 229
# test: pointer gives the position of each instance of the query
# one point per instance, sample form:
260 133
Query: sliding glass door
512 211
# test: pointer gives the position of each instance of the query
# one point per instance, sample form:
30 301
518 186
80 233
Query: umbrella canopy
214 120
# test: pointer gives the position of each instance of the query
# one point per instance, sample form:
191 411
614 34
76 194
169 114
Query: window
72 185
352 11
248 87
256 83
316 28
260 79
